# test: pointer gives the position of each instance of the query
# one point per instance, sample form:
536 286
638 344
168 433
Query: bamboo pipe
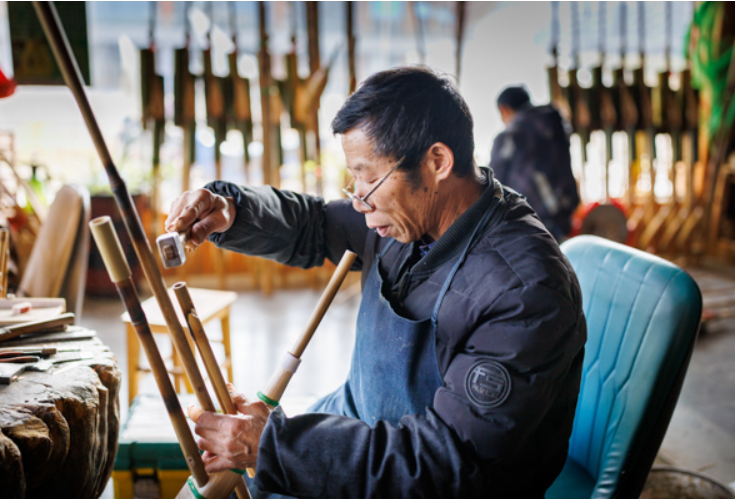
276 386
461 12
205 351
351 47
67 64
264 64
112 255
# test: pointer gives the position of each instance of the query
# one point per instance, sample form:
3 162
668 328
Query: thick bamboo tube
276 386
70 70
112 255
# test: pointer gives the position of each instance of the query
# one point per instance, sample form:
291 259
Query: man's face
400 211
506 114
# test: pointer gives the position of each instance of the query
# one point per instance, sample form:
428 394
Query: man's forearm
280 225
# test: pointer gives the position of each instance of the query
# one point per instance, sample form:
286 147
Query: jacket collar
453 241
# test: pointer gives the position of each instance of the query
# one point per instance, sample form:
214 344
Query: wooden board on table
41 308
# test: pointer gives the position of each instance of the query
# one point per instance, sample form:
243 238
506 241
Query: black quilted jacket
515 301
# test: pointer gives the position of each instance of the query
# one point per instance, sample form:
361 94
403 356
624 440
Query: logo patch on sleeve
488 384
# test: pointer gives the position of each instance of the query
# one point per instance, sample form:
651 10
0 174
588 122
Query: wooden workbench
59 429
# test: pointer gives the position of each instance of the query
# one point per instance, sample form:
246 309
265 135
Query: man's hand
230 441
202 213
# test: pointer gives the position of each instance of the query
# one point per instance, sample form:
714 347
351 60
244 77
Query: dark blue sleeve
328 456
291 228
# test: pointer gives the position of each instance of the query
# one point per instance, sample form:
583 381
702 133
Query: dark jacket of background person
532 157
515 300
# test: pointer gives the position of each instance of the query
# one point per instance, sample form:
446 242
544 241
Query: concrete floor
701 435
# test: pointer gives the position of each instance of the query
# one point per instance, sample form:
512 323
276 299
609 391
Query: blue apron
394 368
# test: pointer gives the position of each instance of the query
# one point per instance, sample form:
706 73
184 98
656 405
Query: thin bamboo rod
67 64
205 351
276 386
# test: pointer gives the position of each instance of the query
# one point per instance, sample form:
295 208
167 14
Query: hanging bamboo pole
312 29
265 98
351 46
461 12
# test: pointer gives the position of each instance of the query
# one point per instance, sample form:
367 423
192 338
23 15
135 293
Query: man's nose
361 207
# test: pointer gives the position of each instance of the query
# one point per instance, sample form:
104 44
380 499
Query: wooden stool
210 305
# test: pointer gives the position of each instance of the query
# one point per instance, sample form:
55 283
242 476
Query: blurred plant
710 44
137 173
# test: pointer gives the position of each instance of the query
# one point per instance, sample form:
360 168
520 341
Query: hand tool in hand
47 325
172 247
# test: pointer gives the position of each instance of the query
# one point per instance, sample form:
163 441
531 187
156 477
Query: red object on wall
7 86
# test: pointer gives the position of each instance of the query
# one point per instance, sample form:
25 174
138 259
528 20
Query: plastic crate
149 456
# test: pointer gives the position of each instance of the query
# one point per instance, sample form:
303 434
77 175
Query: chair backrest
643 315
57 266
75 281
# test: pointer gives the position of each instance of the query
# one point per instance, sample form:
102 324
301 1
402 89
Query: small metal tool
171 248
12 367
18 357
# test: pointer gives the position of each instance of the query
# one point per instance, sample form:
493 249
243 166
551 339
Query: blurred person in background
532 157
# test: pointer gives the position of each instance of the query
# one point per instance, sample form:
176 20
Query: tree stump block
59 429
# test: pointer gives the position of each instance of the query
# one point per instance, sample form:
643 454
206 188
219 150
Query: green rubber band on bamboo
194 489
267 400
240 472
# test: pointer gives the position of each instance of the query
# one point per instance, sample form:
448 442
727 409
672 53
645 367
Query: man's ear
441 160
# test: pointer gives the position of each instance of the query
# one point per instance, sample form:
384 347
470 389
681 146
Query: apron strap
392 240
492 214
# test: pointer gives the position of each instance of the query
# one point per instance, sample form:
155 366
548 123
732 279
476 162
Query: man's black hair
514 97
407 109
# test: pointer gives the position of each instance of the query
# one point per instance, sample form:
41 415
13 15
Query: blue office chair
643 315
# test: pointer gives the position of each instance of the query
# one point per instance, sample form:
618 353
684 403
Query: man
470 335
532 157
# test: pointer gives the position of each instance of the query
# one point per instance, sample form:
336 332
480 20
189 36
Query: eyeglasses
363 199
